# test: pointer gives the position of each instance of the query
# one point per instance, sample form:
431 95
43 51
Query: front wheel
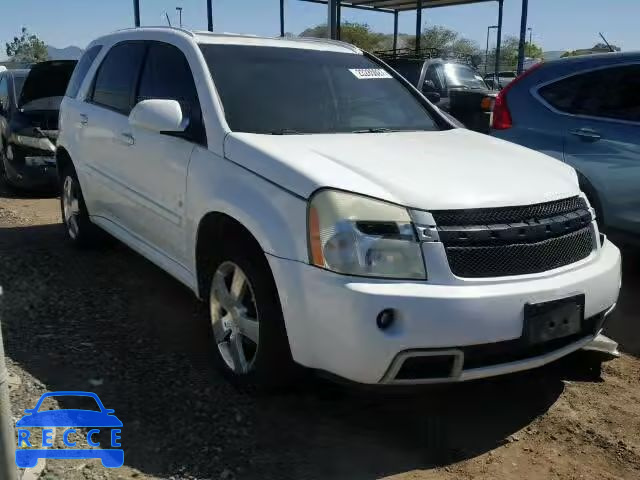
78 227
247 326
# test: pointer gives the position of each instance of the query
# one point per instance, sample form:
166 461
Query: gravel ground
110 322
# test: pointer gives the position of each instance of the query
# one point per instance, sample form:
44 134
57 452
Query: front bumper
33 177
331 318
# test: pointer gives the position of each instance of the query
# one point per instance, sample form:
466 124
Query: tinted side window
607 93
166 75
81 70
409 70
435 73
116 78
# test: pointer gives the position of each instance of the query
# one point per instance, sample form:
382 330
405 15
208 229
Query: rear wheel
78 227
3 170
247 327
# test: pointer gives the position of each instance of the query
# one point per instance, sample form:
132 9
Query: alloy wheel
234 317
70 206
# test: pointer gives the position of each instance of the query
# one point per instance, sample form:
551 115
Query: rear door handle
127 139
84 119
586 133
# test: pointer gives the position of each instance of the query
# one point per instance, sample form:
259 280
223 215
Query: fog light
386 318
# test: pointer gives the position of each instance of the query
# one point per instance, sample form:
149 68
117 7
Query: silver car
584 111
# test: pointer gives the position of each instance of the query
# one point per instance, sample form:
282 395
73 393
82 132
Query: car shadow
110 322
7 191
624 324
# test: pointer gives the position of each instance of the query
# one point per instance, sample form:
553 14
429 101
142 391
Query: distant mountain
68 53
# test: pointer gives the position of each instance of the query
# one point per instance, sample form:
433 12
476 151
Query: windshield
463 76
290 90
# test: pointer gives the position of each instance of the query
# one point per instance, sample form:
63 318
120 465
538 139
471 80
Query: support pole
498 42
282 18
8 468
338 19
395 31
332 19
523 35
209 16
136 12
418 25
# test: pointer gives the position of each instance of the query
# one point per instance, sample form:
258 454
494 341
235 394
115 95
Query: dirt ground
111 322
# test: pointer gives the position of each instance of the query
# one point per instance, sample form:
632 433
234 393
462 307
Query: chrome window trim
535 93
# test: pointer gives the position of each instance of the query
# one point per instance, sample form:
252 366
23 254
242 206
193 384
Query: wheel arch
63 159
215 228
593 196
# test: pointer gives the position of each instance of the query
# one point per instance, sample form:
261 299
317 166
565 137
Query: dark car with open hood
29 107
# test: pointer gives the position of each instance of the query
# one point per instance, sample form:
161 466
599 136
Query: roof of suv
242 39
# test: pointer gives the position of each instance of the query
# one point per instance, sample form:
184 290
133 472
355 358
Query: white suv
330 215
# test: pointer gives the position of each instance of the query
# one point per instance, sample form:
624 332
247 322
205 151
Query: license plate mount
548 321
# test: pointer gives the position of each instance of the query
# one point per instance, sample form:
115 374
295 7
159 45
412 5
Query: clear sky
557 24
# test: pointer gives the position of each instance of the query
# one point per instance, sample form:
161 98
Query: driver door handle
586 133
127 139
84 119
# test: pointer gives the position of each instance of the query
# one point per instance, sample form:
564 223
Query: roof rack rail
423 54
323 40
163 27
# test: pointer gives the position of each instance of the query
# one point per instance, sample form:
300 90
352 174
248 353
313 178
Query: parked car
504 79
455 87
584 111
29 105
329 215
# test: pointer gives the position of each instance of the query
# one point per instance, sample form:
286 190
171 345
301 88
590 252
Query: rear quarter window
611 93
80 72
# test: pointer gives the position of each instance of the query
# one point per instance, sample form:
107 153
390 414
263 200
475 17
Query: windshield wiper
374 130
285 131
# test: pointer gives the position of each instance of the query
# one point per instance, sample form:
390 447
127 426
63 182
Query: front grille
520 258
502 215
506 241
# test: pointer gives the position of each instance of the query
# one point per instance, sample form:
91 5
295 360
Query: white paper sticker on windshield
366 73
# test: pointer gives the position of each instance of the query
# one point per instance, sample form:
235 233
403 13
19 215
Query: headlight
41 143
357 235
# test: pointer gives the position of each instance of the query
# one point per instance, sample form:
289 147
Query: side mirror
433 97
158 116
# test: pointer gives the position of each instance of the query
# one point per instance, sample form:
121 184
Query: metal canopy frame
394 7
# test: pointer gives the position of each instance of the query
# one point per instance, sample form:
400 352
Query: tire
250 345
3 171
79 229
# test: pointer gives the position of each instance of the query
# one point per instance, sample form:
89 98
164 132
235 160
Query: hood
428 170
46 80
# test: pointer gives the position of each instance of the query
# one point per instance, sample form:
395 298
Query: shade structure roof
405 5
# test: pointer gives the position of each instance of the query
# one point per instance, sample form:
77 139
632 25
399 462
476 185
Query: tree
359 34
604 46
27 48
447 41
597 48
509 53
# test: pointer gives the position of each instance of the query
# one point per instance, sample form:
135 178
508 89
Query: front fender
274 216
